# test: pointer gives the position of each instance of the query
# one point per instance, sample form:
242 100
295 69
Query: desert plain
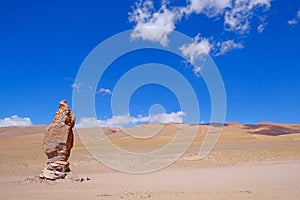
255 161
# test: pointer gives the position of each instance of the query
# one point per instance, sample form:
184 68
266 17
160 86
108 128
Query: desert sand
260 161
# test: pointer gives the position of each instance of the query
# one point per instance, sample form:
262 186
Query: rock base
55 170
70 177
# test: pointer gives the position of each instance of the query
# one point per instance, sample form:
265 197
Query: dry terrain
260 161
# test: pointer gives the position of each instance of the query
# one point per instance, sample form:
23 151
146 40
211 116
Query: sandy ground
249 162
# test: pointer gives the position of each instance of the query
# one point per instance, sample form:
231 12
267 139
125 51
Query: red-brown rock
58 142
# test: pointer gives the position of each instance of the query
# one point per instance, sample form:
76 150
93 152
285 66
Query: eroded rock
58 142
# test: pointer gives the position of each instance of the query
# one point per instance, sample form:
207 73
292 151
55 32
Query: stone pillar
58 142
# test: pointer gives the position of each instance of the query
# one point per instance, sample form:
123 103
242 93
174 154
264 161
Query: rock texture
58 142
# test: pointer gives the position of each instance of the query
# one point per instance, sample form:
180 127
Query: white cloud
104 91
151 24
224 47
156 25
119 121
196 50
15 121
292 22
238 19
76 86
197 70
200 47
167 118
87 122
208 7
260 28
295 20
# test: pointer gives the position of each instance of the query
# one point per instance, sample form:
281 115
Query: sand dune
259 161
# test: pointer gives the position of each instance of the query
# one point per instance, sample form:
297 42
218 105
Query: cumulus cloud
15 121
201 47
167 118
237 16
208 7
119 121
197 49
104 91
156 25
151 24
295 20
238 19
226 46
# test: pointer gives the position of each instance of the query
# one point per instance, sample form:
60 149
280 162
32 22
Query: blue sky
43 44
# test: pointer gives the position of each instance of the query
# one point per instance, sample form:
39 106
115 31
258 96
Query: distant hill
262 128
12 131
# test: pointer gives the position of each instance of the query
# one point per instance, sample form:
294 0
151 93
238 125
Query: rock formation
58 142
